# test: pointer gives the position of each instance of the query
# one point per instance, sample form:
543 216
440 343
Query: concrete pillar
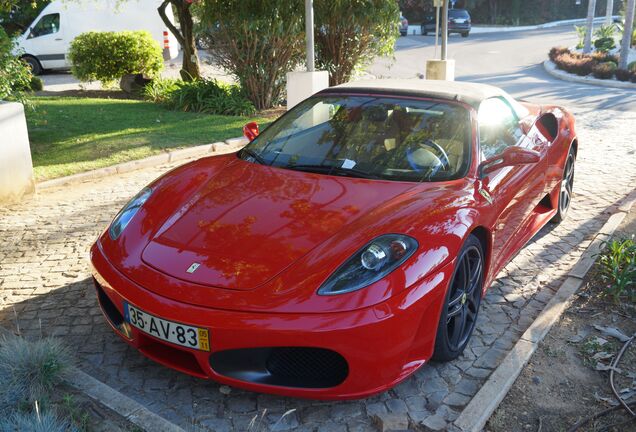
16 168
440 70
301 85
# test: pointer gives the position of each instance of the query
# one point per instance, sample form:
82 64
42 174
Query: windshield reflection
369 137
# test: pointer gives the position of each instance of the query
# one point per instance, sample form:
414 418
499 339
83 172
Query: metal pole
309 30
587 44
444 29
609 12
436 28
630 11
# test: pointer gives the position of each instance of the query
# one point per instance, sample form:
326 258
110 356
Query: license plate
169 331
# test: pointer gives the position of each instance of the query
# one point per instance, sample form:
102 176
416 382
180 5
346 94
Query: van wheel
465 34
34 64
424 31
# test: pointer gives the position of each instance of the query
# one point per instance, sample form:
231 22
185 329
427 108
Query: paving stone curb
221 147
551 69
474 417
131 410
495 29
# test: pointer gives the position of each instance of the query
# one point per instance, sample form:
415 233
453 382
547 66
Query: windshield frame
472 132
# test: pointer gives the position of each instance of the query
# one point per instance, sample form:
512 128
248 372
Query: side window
498 127
48 24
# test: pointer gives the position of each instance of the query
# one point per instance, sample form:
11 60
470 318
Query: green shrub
604 70
36 83
108 56
211 97
605 31
160 90
580 33
258 42
617 264
201 96
15 75
632 66
623 74
604 44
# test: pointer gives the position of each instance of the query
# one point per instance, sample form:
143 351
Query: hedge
108 56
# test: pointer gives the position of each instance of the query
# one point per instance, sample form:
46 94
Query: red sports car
346 245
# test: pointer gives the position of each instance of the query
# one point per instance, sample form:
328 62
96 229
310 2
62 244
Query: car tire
461 305
465 34
424 31
34 64
565 188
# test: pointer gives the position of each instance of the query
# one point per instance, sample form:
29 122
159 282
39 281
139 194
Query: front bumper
380 345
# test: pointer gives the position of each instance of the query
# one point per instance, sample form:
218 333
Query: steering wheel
444 157
441 156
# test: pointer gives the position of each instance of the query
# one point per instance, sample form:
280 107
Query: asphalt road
510 60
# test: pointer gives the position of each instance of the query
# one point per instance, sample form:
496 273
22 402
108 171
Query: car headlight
125 215
370 264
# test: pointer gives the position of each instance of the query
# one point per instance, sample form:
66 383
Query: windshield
370 137
458 13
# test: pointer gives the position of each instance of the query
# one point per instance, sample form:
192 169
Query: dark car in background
458 22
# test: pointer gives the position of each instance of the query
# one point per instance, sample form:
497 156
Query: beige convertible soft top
470 93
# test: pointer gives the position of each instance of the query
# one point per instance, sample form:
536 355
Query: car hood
248 222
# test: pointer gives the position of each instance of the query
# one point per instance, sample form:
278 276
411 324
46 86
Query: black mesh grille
307 363
304 367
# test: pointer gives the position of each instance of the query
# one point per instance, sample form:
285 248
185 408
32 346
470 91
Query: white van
45 44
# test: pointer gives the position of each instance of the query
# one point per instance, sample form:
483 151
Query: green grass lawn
70 135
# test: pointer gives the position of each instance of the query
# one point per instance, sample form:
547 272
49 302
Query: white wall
16 168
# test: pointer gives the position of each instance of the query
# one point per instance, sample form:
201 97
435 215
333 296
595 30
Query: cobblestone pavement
45 289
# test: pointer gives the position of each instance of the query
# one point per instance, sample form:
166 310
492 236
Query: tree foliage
511 12
15 75
258 42
16 15
342 45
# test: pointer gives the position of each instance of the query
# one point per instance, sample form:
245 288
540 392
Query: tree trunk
628 28
587 44
190 67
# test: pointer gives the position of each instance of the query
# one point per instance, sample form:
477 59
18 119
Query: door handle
59 39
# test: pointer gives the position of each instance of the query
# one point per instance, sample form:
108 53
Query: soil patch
562 383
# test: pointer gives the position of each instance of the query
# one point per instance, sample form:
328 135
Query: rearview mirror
250 131
511 156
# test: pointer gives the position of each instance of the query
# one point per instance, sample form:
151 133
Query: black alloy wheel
566 188
459 313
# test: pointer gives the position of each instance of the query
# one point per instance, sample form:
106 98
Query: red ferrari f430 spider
350 242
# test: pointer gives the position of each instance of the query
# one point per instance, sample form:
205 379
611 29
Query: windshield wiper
258 158
335 170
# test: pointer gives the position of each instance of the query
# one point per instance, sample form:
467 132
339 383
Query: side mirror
511 156
250 131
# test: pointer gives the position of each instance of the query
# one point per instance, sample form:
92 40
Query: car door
514 192
45 40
